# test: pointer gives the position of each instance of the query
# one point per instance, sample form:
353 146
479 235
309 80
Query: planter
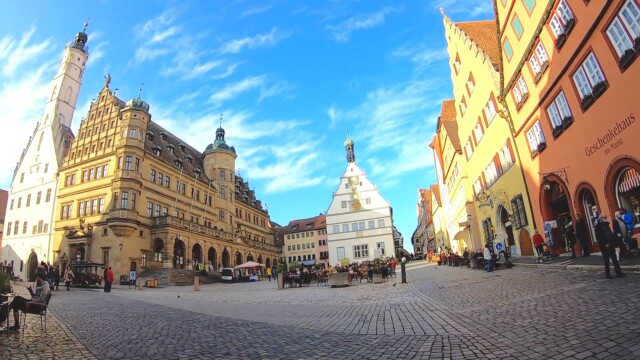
339 279
377 278
280 281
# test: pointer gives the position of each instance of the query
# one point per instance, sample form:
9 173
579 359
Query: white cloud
422 57
228 72
97 48
342 32
275 89
255 11
232 90
267 39
201 69
157 37
472 8
15 54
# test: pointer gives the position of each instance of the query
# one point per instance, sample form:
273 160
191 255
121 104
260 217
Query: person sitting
19 303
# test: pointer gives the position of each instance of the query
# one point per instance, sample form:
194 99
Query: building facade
497 203
359 220
305 240
569 73
134 196
30 213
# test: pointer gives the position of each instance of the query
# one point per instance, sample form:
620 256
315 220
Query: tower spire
349 147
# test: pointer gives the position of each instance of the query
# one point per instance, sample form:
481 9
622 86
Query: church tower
28 232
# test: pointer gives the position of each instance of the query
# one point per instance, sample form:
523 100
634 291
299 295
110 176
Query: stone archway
260 259
526 246
212 257
32 265
556 212
506 226
249 258
268 263
587 201
196 254
238 258
178 254
226 258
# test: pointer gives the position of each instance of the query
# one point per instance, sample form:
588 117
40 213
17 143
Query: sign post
132 278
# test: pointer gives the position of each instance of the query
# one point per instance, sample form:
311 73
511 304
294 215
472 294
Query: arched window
67 94
627 185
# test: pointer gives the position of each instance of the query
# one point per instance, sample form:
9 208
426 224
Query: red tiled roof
485 35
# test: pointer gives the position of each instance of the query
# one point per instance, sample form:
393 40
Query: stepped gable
68 137
246 195
484 34
435 190
448 120
159 138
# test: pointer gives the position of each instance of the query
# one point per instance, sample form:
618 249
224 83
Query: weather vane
140 91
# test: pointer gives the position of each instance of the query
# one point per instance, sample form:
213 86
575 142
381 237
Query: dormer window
178 163
197 173
171 148
157 151
150 135
163 135
181 147
190 159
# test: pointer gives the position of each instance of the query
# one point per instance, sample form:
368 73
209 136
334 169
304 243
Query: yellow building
305 240
497 207
134 196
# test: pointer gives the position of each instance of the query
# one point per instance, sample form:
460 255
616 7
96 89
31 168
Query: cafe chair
36 308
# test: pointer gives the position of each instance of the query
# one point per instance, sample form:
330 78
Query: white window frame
538 58
336 229
625 27
490 110
520 89
478 133
588 75
561 16
559 109
468 149
506 157
535 136
490 173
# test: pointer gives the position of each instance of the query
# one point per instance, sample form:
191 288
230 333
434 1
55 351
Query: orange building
568 73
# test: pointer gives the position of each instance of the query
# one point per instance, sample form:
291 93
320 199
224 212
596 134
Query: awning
629 181
309 262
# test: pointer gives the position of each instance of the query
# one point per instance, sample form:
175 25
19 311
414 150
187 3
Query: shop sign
610 140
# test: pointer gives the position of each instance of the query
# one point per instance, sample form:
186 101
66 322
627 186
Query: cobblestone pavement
443 313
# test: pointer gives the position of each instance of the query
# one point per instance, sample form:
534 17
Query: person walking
108 279
269 273
581 234
68 276
607 242
620 235
488 259
56 278
571 239
538 243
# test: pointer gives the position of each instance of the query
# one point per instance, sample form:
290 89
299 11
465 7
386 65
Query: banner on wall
548 225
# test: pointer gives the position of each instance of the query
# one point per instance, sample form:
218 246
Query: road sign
499 247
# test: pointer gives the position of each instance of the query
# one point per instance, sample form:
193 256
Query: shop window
624 33
628 192
589 80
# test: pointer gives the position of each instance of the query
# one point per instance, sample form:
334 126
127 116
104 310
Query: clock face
354 180
355 196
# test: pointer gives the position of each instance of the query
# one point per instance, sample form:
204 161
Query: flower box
377 278
339 279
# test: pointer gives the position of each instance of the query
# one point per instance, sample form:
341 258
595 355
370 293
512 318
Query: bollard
196 283
403 272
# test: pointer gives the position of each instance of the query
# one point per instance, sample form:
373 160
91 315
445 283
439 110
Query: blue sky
289 77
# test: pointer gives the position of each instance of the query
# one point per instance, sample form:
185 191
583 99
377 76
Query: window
478 132
85 176
589 80
518 211
38 197
520 91
529 4
624 31
157 151
361 226
535 138
222 175
28 200
517 26
152 176
222 193
468 149
9 228
490 173
372 224
124 200
345 227
539 61
463 106
149 208
221 215
167 181
48 197
343 204
380 223
128 162
508 50
360 251
559 112
19 202
471 84
157 210
477 187
101 206
24 227
160 178
490 110
456 64
11 206
336 229
354 227
380 248
132 133
17 226
561 22
505 156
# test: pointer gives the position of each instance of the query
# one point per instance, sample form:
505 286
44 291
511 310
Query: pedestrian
581 234
538 243
607 242
269 273
108 279
274 272
488 259
620 235
68 276
571 239
56 277
627 218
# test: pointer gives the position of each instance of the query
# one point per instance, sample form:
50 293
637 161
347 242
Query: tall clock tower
359 220
28 226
